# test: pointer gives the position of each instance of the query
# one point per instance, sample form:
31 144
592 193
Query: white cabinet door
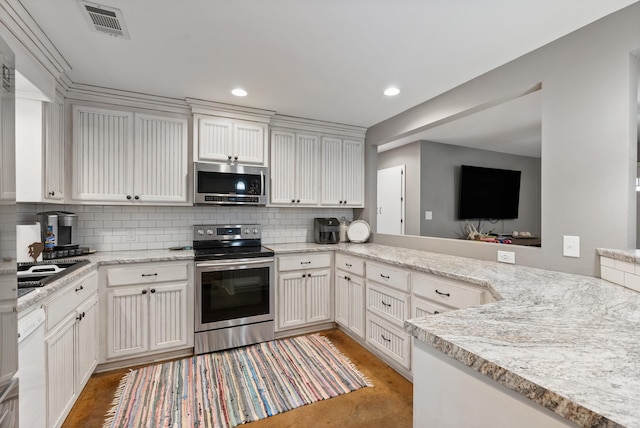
228 140
160 159
7 149
342 172
215 139
307 167
331 171
357 306
86 341
61 383
168 316
291 300
102 154
127 321
294 168
249 143
353 173
342 299
283 171
318 296
54 153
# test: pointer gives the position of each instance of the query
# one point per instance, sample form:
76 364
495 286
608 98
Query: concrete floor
389 403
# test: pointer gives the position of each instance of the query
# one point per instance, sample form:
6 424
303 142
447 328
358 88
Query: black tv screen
488 193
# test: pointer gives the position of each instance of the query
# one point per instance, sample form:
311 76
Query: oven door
233 292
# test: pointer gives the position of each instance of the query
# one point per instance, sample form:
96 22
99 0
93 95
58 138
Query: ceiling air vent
104 19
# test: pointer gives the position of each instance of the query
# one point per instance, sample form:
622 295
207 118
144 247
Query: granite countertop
631 256
98 259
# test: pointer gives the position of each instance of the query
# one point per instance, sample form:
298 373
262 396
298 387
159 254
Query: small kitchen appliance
220 184
64 226
235 279
326 230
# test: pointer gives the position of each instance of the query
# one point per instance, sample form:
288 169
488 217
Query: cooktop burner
218 242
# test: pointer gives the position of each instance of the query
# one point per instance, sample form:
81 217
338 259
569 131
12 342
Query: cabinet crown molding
212 108
317 126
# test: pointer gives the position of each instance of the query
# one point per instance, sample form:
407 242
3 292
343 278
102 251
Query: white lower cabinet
148 308
390 340
71 345
305 294
349 294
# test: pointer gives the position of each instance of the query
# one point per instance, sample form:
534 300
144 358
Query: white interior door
391 188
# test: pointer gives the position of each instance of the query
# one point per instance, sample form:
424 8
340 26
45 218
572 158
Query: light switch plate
428 215
571 246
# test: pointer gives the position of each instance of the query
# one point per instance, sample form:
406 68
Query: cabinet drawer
146 273
447 291
304 261
350 264
423 308
388 303
390 340
68 299
388 276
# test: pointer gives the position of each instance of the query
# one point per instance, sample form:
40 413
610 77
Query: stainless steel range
234 287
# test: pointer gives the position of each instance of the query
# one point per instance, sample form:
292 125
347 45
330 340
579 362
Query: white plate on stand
358 231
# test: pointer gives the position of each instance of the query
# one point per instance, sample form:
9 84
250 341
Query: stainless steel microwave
220 184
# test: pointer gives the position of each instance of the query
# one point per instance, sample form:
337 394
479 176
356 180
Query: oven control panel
226 232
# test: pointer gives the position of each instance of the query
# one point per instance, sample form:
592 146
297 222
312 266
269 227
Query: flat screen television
488 193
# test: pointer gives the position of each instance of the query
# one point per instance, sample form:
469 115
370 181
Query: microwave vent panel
104 19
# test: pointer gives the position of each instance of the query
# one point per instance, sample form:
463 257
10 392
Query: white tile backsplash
121 228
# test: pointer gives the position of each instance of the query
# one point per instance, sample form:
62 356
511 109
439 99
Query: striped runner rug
232 387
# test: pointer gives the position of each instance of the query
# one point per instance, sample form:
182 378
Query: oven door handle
236 262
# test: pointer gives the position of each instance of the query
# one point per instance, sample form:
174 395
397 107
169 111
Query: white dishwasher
31 370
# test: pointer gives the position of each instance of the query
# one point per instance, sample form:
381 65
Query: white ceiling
319 59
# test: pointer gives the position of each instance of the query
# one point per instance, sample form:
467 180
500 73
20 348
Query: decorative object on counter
326 230
35 250
233 387
26 236
344 225
358 231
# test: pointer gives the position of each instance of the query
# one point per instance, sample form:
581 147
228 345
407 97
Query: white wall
589 126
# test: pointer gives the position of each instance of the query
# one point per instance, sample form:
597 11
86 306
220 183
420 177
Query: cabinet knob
229 157
344 202
144 291
298 201
436 312
129 197
293 201
235 158
136 197
153 290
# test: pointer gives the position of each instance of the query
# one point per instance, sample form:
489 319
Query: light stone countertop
567 342
631 256
98 259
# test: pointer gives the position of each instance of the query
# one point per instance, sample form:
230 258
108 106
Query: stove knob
255 231
200 232
209 231
247 231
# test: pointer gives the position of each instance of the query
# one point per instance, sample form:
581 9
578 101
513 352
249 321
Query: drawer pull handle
348 264
386 304
79 288
384 338
436 312
443 294
150 274
384 276
305 263
347 278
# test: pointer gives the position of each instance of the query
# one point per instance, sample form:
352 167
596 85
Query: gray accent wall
440 184
589 130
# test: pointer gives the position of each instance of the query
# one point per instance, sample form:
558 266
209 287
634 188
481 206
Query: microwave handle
262 177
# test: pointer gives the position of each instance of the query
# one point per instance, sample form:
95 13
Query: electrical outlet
507 257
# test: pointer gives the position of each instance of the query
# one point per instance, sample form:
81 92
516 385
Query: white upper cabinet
234 141
127 157
54 151
343 172
294 168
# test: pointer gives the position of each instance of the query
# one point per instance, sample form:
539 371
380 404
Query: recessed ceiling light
238 92
392 91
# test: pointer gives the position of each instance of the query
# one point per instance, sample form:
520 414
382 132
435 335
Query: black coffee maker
326 230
